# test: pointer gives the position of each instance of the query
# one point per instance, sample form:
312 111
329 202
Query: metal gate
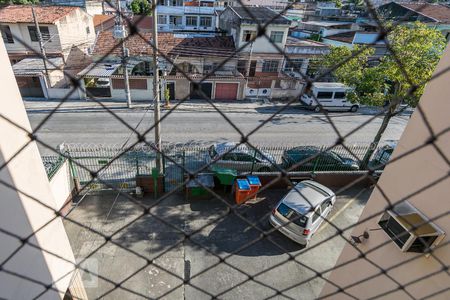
226 91
205 87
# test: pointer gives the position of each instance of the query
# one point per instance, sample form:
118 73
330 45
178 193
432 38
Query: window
325 205
339 95
175 20
270 66
293 65
88 30
244 157
291 215
207 69
162 19
6 34
205 21
34 34
242 66
276 36
191 20
324 95
248 35
175 2
316 214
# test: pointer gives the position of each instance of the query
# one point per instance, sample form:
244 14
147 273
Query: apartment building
182 15
62 28
402 249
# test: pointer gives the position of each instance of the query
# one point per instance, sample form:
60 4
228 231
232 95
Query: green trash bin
225 176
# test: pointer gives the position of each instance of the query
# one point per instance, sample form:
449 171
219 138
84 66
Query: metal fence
123 163
179 160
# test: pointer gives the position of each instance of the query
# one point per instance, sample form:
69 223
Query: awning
35 66
99 70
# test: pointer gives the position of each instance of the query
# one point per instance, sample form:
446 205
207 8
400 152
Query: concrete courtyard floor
209 262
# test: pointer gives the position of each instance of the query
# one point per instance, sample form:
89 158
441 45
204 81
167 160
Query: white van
331 95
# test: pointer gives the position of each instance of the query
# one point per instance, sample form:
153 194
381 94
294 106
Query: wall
136 95
262 44
421 169
56 93
20 30
62 185
20 212
73 31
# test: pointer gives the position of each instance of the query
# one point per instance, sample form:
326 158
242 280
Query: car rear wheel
317 109
354 108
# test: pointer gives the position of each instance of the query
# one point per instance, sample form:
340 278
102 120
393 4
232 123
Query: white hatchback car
301 212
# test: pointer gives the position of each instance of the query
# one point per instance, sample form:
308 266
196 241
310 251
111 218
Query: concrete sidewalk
45 106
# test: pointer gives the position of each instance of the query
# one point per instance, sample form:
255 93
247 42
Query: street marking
339 211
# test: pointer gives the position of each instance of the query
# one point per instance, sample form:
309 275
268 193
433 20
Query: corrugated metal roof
99 70
35 66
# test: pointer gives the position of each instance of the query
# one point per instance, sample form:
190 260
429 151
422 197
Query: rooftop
44 14
292 41
439 12
329 85
169 44
261 14
99 19
35 66
326 23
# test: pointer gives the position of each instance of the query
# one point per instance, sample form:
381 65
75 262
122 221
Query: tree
6 2
416 50
141 7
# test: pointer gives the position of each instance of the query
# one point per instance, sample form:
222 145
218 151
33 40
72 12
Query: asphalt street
292 127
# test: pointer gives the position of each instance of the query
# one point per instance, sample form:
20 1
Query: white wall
136 95
72 30
263 44
20 212
62 185
20 30
55 93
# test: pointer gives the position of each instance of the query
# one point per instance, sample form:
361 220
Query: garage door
205 87
226 91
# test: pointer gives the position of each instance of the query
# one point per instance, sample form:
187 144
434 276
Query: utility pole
124 54
41 43
156 95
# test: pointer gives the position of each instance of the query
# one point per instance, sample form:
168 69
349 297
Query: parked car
302 210
383 155
242 158
329 160
330 95
103 83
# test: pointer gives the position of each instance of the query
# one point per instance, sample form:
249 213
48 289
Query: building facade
181 15
62 28
392 263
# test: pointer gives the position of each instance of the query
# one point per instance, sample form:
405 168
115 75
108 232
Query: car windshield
292 215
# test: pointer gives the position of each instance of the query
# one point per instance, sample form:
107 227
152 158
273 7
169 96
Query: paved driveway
217 258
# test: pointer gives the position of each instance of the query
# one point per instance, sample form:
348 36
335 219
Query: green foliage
5 2
141 7
418 49
167 95
338 3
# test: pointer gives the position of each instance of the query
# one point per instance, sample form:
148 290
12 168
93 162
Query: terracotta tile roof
44 14
99 19
169 44
436 11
